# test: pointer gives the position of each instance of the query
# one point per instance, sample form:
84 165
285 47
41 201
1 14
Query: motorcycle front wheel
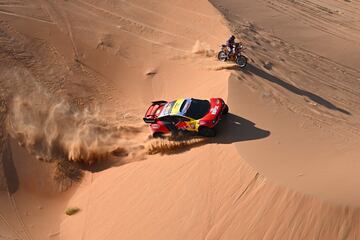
222 56
241 61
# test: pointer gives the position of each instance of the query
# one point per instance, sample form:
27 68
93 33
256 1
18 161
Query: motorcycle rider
231 44
232 50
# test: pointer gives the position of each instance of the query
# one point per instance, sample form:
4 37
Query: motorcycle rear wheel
241 60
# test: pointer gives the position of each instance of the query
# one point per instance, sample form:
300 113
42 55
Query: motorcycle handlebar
237 44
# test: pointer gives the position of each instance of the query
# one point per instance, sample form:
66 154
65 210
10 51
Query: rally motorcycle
226 54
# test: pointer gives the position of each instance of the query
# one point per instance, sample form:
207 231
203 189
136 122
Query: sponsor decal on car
214 110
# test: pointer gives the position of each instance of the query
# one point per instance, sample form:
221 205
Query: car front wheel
207 132
225 110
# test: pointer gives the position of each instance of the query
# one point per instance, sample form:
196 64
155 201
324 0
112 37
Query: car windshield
198 108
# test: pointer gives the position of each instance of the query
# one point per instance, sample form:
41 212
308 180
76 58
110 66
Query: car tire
225 110
207 132
158 135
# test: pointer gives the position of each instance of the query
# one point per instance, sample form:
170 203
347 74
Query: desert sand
77 76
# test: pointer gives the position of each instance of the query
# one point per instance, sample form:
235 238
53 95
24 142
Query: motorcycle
226 55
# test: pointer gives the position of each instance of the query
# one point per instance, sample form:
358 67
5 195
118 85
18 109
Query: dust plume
203 48
57 130
169 146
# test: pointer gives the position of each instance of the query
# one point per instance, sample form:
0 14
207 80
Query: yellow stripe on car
176 108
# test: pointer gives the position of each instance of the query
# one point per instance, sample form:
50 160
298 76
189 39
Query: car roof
176 108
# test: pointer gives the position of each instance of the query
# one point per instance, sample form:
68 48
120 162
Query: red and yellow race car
190 115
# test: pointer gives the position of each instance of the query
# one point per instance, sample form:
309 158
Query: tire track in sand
25 17
137 34
62 21
19 218
2 218
155 13
130 22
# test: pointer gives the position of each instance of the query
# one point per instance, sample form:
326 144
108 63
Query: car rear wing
149 120
150 113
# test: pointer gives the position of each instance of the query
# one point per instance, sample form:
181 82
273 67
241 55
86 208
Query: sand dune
309 93
76 77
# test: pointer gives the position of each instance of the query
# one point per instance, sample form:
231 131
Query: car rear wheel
225 110
207 132
158 135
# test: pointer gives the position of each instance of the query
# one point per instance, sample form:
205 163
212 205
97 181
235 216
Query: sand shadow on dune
231 129
251 69
101 165
234 128
10 173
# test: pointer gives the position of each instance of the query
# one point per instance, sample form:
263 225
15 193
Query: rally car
188 115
